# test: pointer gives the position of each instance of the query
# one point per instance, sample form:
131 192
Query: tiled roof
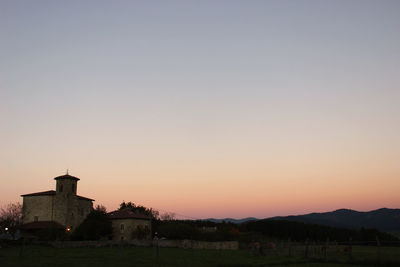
45 193
66 176
126 214
41 225
52 193
85 198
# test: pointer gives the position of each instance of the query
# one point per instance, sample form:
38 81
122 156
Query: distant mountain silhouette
230 220
387 220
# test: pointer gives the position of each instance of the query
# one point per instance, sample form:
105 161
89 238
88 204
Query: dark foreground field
140 256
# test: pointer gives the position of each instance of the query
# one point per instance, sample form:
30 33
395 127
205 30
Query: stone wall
83 209
186 244
195 244
37 206
64 209
130 226
71 211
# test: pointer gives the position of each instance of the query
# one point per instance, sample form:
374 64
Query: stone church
60 208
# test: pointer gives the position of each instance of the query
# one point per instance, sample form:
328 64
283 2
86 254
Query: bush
96 226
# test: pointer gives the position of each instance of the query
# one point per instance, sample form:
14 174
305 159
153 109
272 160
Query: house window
60 188
122 237
122 227
36 218
73 188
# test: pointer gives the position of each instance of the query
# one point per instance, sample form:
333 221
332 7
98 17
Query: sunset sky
203 108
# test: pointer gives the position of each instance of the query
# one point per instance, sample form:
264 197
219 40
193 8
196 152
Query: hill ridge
384 219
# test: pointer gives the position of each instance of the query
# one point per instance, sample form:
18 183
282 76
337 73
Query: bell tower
66 202
66 184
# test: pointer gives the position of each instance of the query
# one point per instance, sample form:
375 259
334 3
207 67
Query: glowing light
6 228
68 229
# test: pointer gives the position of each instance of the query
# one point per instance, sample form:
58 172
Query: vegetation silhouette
96 226
139 209
10 218
300 231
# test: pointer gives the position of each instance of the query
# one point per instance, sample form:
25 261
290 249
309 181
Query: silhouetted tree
11 218
139 209
101 208
96 226
141 232
301 231
196 230
167 216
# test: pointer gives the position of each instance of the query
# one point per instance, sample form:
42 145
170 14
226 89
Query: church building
60 208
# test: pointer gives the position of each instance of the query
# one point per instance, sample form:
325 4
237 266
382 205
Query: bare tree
154 214
11 217
168 216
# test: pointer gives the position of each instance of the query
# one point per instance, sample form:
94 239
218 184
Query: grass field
139 256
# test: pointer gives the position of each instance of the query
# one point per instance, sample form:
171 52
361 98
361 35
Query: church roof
127 214
45 193
52 193
66 176
85 198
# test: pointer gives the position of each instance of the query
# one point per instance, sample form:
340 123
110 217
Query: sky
203 108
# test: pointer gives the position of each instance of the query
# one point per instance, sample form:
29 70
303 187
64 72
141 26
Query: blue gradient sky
205 108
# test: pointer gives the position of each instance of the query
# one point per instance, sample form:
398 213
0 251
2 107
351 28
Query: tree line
300 231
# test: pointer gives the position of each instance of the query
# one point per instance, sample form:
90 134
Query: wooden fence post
326 248
22 248
120 248
155 248
350 249
378 248
306 252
